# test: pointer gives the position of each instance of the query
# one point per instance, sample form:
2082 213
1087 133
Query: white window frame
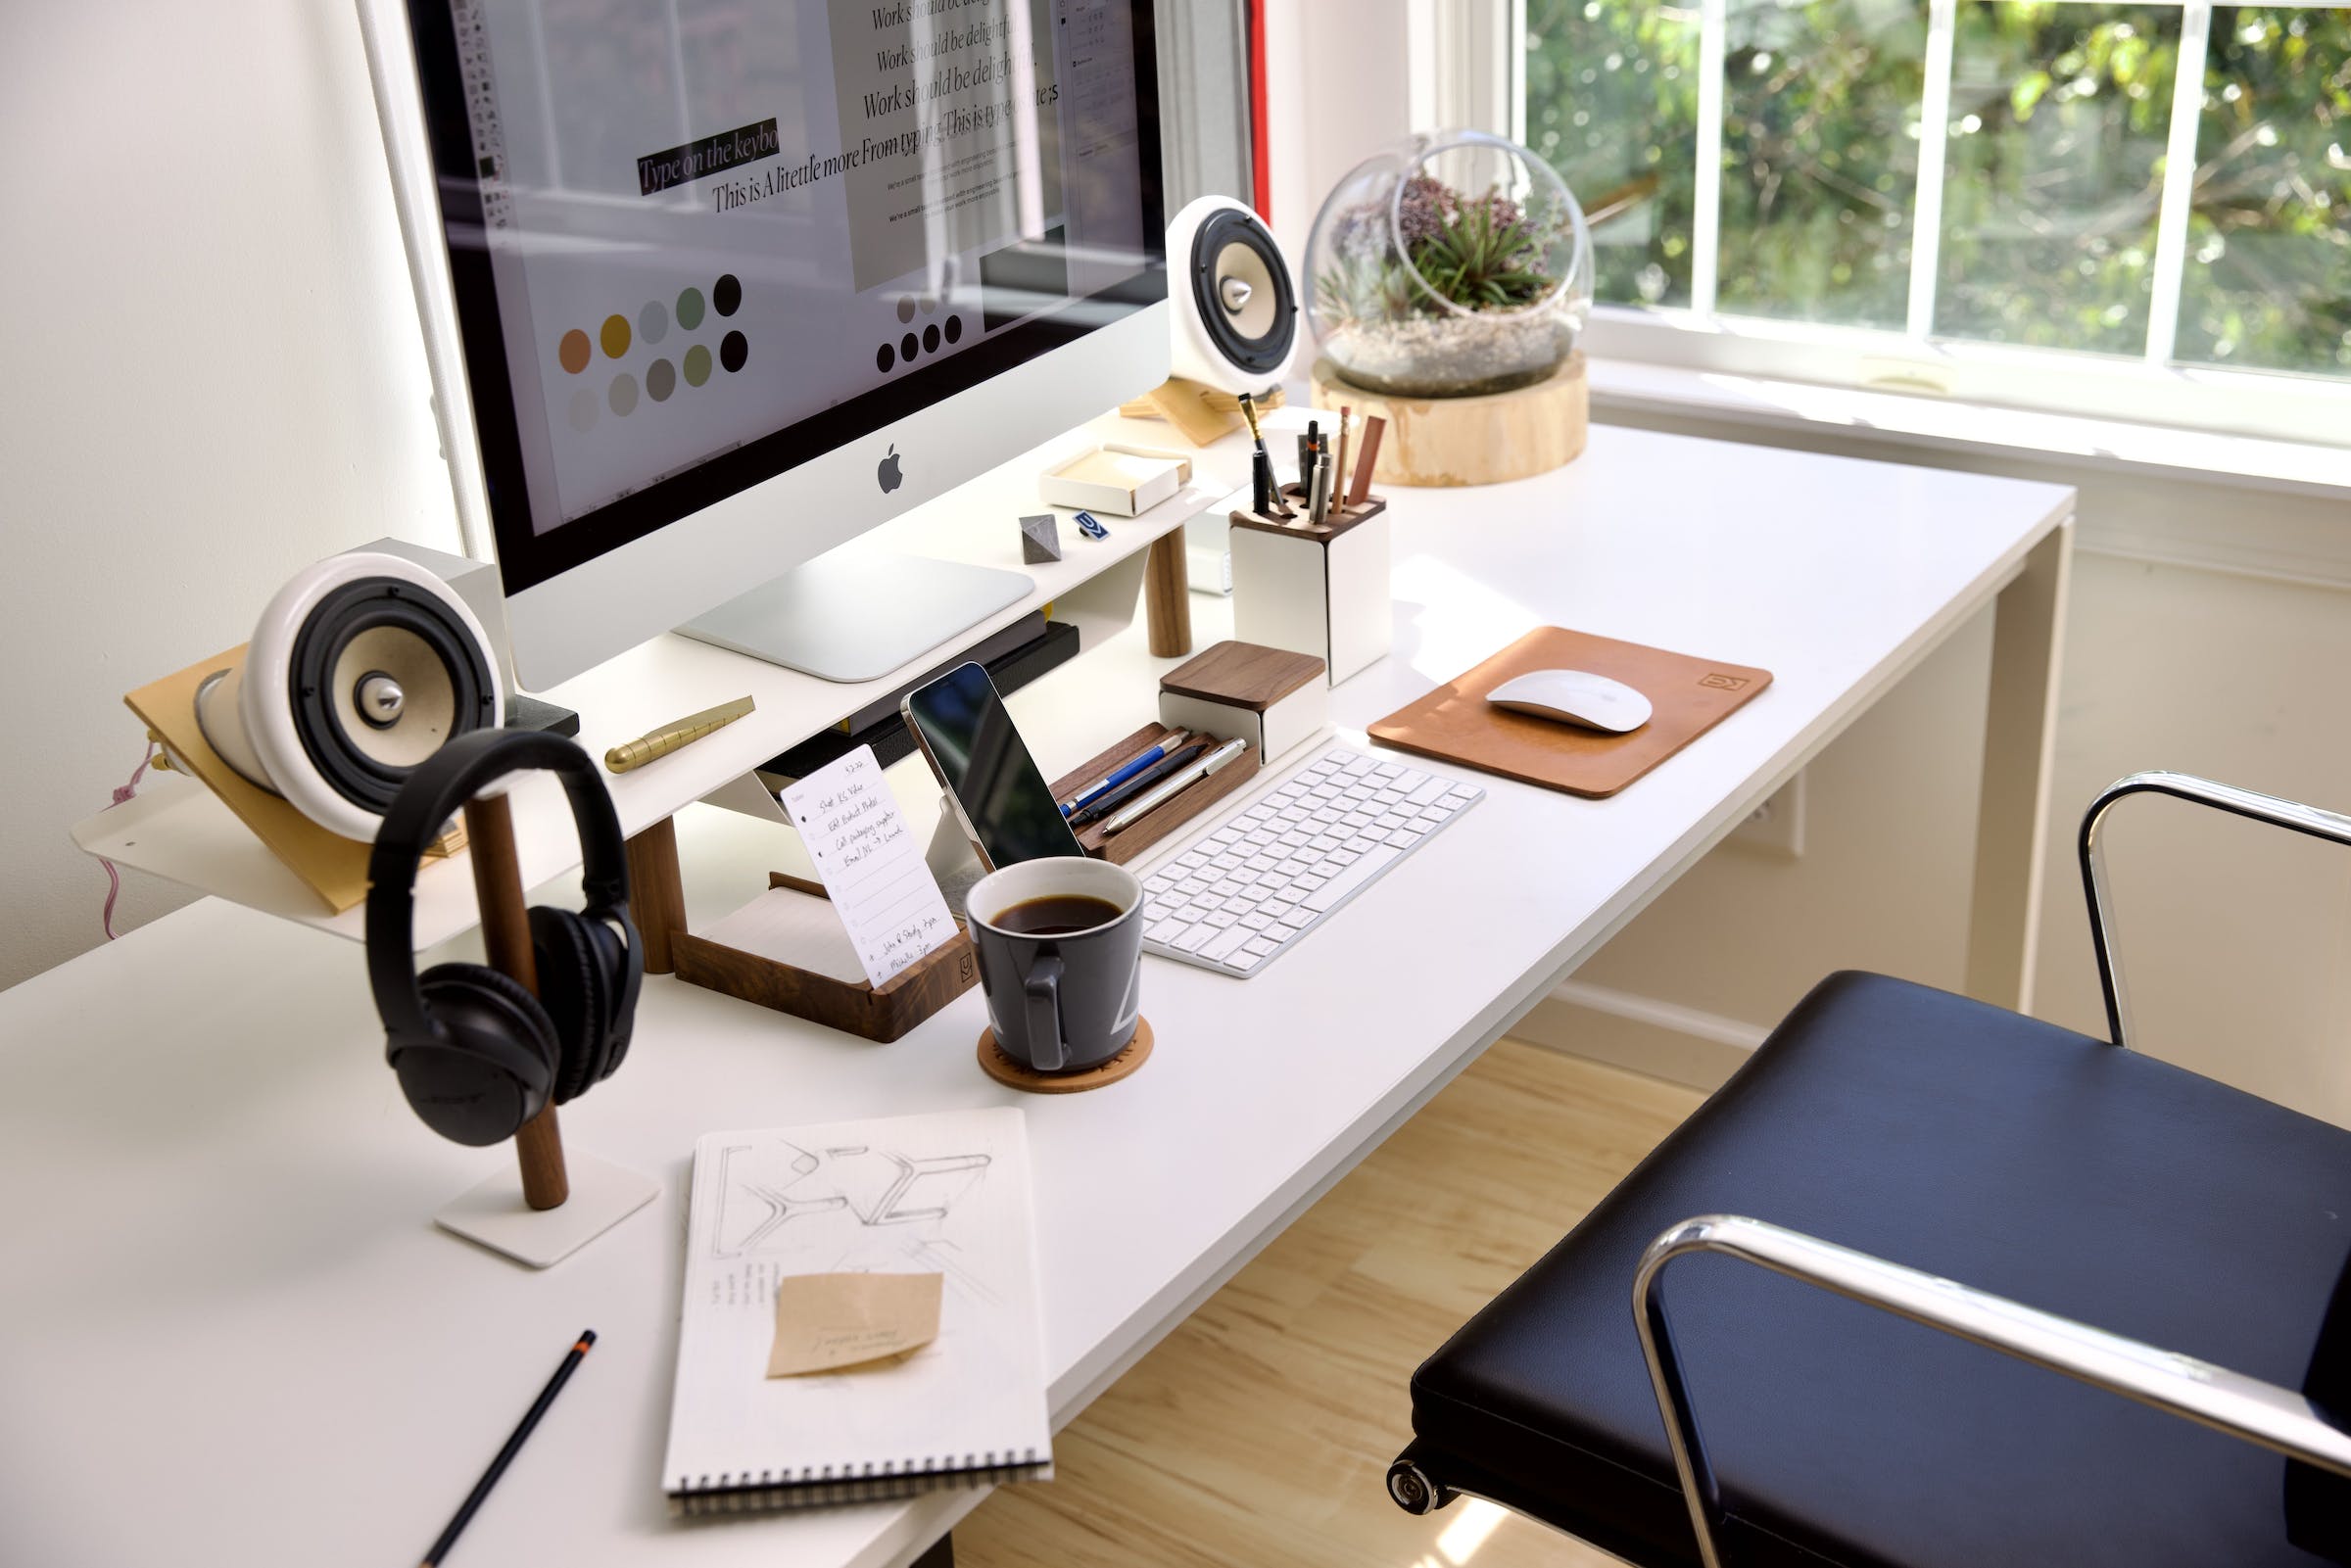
1468 61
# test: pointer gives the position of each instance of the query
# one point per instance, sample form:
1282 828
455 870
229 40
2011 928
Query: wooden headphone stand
562 1204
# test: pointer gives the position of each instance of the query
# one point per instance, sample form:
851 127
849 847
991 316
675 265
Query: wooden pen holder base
880 1014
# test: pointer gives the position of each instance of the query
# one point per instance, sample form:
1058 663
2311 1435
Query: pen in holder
1314 588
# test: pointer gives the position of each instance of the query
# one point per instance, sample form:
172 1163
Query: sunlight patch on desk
1475 620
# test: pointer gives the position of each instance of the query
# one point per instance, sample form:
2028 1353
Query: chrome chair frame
2245 1408
2291 814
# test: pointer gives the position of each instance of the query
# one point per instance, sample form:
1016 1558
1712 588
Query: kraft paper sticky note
836 1322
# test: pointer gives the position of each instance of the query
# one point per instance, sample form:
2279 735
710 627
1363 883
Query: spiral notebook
944 1193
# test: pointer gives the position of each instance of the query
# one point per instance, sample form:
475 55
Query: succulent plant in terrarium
1449 266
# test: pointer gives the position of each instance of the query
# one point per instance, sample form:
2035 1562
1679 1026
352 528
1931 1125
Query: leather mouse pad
1455 724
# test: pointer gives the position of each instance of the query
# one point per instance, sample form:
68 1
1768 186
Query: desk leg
656 892
1167 596
940 1554
2013 815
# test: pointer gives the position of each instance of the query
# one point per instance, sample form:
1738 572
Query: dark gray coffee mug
1060 1004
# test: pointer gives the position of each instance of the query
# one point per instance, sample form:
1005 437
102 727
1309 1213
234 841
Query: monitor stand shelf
178 830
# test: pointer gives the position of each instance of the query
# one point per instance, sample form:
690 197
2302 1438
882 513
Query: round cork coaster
1004 1069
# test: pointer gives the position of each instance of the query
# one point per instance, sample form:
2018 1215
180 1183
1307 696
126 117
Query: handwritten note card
871 864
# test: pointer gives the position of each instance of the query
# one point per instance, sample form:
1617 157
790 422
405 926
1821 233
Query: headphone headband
439 785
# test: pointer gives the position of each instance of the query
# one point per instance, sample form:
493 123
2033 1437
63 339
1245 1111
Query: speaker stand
861 616
1204 414
529 713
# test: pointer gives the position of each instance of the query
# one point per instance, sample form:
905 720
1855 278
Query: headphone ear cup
576 990
491 1063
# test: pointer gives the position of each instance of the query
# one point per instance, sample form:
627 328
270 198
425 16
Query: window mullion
1713 52
2179 183
1933 145
1514 54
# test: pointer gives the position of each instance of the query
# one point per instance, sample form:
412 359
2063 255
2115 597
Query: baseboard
1665 1040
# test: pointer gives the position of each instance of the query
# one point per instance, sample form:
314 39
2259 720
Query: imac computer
736 280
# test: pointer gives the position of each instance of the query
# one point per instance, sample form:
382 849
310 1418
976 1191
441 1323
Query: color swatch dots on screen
617 334
914 345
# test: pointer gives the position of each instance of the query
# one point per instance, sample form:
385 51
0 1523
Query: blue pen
1111 781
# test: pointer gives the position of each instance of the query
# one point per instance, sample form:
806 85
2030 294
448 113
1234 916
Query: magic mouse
1573 696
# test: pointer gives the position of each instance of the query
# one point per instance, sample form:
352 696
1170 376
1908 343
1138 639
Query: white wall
214 376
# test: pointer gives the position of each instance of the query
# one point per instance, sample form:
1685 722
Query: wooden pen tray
1182 808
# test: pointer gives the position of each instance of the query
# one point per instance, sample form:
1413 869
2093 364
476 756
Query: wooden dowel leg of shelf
656 892
507 944
1167 596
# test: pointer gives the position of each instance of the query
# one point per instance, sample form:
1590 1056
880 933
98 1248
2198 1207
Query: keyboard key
1192 939
1262 947
1405 837
1225 942
1331 893
1430 790
1224 918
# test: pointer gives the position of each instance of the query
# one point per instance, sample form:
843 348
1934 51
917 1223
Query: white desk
229 1334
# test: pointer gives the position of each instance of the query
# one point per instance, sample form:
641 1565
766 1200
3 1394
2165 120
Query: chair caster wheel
1413 1489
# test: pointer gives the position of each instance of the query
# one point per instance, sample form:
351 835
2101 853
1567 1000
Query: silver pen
1172 783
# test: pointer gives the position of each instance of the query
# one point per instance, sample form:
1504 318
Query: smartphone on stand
1000 800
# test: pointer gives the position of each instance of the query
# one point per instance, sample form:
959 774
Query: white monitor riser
856 616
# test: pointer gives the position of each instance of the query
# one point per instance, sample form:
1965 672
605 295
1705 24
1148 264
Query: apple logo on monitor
887 471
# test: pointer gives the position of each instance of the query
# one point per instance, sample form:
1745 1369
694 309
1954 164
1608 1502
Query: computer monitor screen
697 245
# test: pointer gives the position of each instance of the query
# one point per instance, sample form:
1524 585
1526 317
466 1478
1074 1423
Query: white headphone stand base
494 1215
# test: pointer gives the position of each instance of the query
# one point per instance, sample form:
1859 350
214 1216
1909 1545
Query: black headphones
477 1054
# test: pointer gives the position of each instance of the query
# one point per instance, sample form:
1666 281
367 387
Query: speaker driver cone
1233 247
362 667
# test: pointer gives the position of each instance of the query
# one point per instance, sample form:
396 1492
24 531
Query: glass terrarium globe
1451 264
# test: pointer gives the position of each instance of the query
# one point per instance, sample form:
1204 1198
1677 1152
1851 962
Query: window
2006 188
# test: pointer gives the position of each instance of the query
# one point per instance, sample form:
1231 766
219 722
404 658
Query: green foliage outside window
2057 138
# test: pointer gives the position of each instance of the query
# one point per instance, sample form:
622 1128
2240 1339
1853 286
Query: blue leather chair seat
1931 1131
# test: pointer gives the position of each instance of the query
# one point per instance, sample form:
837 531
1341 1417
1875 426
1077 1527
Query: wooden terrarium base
1470 441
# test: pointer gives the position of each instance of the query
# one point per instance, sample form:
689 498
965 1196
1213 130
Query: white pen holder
1320 589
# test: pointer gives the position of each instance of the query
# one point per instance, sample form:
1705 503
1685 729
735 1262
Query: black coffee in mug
1060 942
1056 915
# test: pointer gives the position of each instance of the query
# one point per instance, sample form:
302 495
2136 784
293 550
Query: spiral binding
823 1486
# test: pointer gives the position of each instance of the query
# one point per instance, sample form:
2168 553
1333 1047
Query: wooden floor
1258 1434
